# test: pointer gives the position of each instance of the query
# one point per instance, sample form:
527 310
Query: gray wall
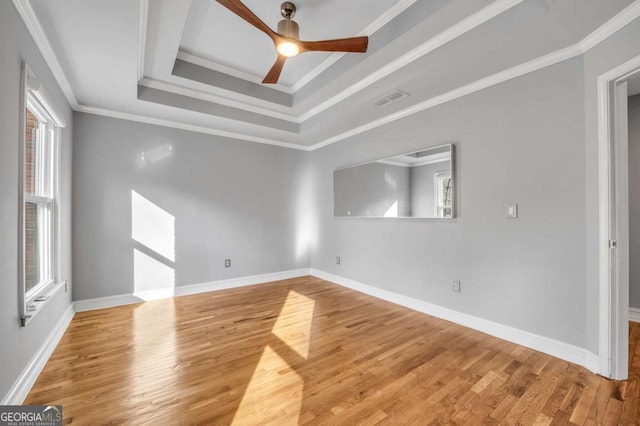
228 199
371 189
634 201
19 344
511 142
423 188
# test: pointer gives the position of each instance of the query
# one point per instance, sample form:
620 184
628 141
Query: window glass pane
30 157
446 192
31 246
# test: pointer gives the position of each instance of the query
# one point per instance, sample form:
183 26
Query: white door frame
614 222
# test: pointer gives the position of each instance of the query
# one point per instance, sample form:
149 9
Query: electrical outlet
456 287
337 260
227 263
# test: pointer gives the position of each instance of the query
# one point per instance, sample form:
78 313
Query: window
444 195
39 204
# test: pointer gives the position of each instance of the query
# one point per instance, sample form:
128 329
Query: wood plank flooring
305 351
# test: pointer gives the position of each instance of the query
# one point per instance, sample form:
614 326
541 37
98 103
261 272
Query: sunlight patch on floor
293 326
274 394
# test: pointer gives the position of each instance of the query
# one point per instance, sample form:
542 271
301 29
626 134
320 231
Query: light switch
512 211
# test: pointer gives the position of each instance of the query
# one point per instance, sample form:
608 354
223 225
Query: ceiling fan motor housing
289 28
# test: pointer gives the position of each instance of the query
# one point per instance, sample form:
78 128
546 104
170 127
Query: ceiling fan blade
354 44
237 7
274 73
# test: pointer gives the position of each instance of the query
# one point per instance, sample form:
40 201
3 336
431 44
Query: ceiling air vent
390 98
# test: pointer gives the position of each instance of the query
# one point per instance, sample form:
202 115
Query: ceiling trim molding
492 80
612 26
210 97
431 159
206 63
184 126
605 31
142 36
616 23
471 22
389 15
380 22
451 33
35 28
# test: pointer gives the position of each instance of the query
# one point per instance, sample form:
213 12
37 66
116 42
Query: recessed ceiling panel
215 34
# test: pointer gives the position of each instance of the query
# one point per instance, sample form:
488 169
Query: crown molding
184 126
605 31
142 36
622 19
492 80
212 65
451 33
210 97
610 27
35 29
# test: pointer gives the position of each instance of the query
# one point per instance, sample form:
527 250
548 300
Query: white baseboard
547 345
127 299
105 302
240 282
634 314
571 353
27 378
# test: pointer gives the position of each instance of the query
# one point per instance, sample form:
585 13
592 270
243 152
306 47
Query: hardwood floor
304 351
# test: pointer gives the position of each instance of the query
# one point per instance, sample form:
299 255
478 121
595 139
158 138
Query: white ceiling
192 64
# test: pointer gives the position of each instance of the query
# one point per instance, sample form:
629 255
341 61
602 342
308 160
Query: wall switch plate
455 287
512 211
337 260
227 263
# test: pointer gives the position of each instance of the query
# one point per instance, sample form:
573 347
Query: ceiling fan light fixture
288 49
291 30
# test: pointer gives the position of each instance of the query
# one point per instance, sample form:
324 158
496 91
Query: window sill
36 303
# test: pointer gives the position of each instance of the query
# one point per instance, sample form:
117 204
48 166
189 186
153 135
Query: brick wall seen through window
31 251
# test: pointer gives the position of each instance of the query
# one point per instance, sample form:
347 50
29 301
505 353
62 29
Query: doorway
614 88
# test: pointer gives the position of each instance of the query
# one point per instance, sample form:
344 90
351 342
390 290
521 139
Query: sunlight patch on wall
152 226
151 279
293 325
306 219
392 211
154 229
274 394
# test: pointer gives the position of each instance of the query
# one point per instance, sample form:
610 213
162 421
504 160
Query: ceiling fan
287 38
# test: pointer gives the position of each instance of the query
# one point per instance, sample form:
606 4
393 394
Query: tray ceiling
216 35
193 64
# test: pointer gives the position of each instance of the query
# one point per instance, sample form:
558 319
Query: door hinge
613 244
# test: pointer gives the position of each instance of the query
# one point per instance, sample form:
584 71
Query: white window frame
46 196
439 208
